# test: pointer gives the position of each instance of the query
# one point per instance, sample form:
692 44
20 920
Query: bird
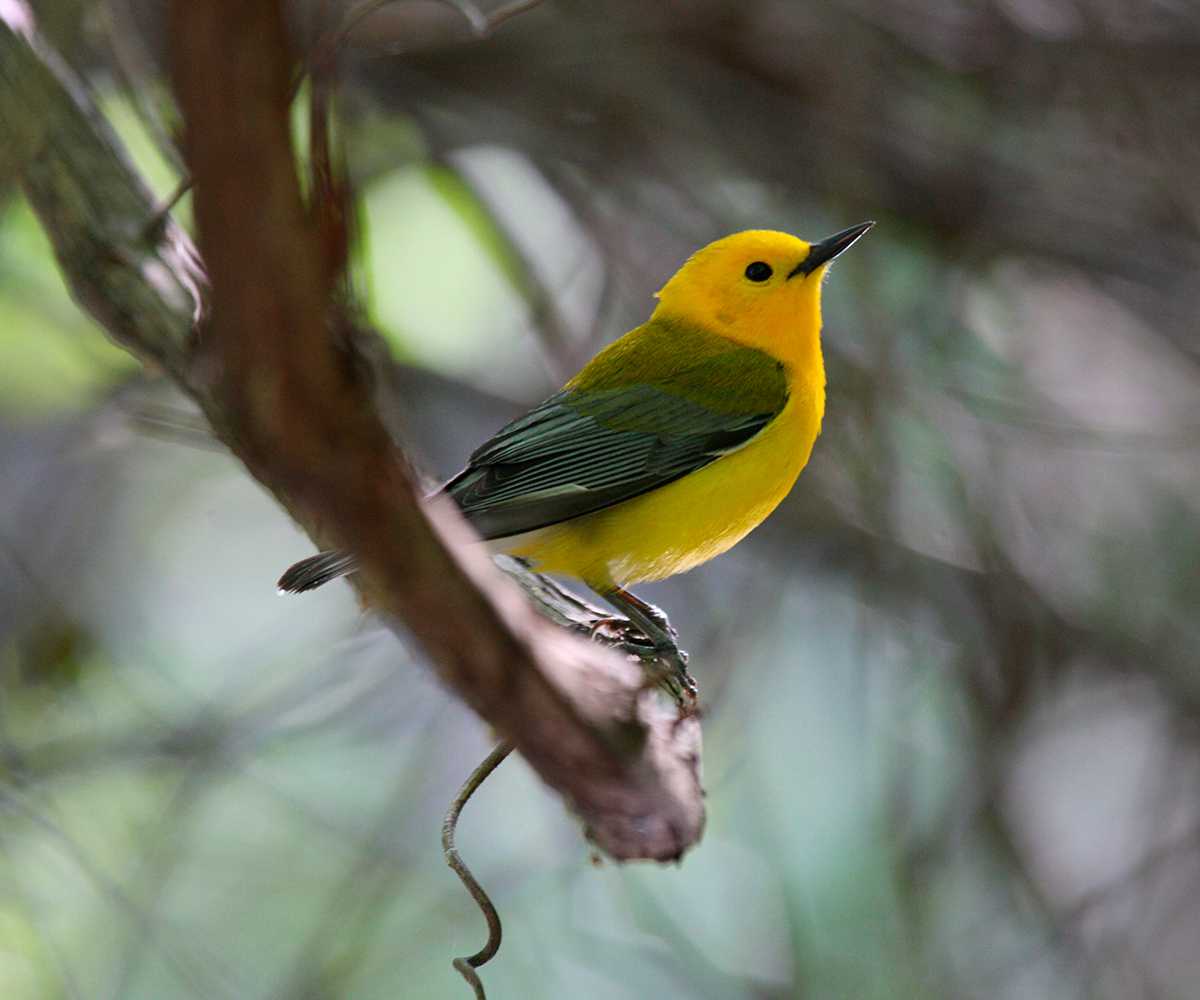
668 447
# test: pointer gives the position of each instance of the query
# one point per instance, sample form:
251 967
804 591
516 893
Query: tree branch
278 377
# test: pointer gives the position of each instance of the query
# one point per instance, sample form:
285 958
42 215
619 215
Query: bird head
760 288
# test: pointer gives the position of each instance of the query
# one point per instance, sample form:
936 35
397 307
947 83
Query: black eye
758 271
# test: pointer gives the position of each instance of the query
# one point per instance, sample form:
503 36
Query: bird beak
824 251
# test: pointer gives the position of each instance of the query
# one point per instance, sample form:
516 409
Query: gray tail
316 571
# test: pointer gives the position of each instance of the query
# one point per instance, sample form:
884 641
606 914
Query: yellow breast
679 526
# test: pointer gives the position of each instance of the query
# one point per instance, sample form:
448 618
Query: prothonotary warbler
672 443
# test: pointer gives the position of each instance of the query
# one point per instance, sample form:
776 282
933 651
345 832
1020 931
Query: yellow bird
672 443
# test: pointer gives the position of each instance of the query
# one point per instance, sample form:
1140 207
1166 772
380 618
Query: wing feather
584 450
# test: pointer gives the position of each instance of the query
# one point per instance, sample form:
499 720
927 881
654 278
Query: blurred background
953 684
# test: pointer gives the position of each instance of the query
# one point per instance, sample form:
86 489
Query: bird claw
666 669
617 630
666 666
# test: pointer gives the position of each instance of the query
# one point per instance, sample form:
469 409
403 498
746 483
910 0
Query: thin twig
173 424
157 222
481 23
466 966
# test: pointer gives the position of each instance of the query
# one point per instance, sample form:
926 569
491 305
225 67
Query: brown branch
288 397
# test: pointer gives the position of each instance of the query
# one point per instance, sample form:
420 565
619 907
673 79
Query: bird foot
665 663
667 670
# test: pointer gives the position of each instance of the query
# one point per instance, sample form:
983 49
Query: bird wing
594 445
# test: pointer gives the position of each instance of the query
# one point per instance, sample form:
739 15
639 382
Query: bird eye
758 271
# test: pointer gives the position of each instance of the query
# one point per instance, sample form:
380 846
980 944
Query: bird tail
316 571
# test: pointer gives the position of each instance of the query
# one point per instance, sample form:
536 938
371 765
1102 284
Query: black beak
824 251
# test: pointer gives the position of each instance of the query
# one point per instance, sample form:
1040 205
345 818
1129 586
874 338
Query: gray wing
581 451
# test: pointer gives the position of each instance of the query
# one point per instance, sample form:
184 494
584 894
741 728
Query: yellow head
760 288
